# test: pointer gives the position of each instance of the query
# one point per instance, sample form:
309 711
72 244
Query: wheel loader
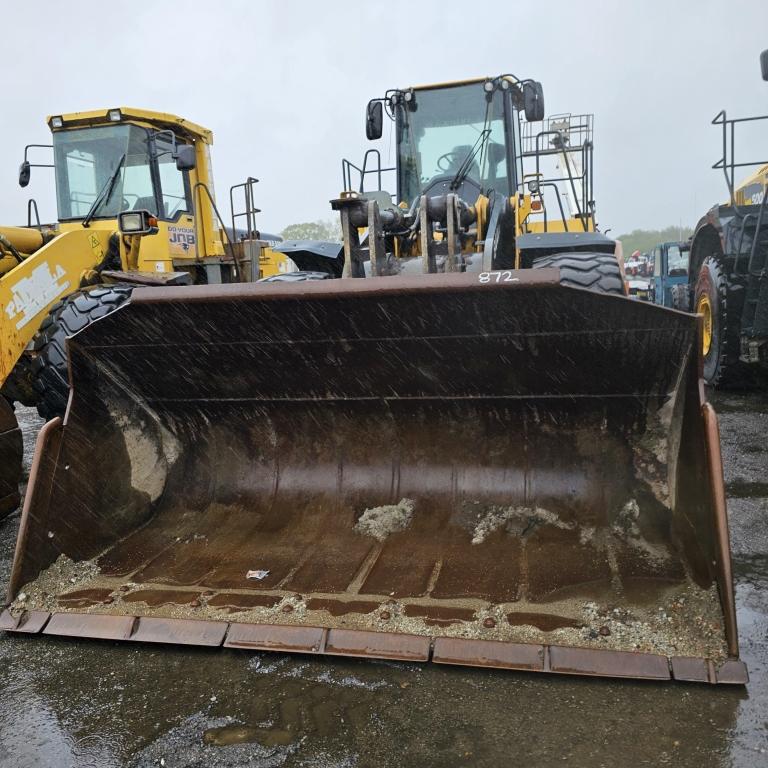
728 274
118 172
452 438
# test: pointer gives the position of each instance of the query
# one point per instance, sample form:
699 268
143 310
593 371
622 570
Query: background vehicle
728 279
151 170
669 285
638 288
469 468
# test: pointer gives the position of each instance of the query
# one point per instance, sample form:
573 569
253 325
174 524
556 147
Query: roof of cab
163 120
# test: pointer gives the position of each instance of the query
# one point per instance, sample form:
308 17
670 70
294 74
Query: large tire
680 297
65 318
599 272
720 302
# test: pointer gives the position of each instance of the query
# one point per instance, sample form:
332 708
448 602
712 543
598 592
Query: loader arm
28 290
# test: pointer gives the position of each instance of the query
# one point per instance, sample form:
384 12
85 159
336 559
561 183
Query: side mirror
185 157
24 171
764 64
533 101
374 120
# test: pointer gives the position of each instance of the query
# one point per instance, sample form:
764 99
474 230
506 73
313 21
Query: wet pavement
81 703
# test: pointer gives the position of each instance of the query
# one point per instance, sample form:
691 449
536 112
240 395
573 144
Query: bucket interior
442 464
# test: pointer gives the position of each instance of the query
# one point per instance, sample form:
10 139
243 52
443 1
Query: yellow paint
704 308
557 225
271 263
22 239
751 190
146 117
28 290
481 212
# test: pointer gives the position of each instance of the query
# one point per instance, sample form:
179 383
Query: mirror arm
37 146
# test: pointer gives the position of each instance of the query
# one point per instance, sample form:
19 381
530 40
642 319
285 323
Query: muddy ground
80 703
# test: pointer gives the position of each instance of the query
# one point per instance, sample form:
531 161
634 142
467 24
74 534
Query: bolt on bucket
516 475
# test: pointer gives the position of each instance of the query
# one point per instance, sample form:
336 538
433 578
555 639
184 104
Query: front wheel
67 317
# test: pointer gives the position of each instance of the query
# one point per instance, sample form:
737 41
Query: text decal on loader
497 277
34 293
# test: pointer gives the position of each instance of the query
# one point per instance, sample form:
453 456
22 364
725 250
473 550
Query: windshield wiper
463 170
105 193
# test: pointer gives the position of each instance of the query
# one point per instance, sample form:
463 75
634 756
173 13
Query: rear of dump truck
509 474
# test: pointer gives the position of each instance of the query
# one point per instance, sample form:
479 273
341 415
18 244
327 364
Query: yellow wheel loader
119 172
464 445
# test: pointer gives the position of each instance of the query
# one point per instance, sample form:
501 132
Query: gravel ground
75 703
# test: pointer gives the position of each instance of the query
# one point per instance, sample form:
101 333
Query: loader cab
460 137
140 161
111 161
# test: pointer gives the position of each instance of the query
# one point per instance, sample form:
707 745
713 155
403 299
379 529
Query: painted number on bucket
498 277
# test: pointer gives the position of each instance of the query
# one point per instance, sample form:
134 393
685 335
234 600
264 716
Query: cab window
102 170
677 259
174 187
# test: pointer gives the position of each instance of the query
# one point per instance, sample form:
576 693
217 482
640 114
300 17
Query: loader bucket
516 475
10 459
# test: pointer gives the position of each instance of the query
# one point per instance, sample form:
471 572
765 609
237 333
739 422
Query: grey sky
283 85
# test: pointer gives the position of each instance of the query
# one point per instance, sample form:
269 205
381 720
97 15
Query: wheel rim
704 308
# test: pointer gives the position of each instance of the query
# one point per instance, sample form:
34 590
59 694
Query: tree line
644 239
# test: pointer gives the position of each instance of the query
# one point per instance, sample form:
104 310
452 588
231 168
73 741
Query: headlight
137 223
115 115
131 222
57 122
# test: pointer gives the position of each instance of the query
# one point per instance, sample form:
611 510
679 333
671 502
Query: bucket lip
318 640
508 279
504 280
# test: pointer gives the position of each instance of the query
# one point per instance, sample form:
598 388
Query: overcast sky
283 85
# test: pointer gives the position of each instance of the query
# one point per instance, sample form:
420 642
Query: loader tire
599 272
65 318
680 297
720 302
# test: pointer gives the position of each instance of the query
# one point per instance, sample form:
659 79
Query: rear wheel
67 317
720 303
598 272
11 455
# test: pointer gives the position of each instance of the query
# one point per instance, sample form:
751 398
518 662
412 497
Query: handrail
250 209
348 165
225 236
729 138
32 203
